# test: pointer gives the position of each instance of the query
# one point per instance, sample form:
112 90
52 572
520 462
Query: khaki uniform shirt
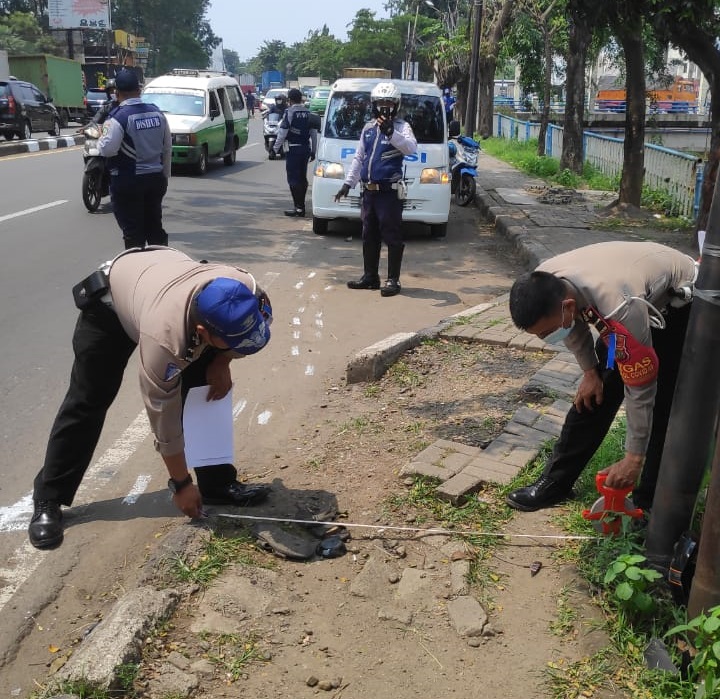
152 292
606 276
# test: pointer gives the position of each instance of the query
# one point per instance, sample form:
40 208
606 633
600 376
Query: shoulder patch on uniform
171 371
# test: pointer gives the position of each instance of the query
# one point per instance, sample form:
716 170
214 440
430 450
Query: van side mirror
214 112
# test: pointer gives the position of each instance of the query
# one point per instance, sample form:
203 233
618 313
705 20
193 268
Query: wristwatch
177 486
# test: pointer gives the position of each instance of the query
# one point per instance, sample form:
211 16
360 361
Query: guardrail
677 174
660 107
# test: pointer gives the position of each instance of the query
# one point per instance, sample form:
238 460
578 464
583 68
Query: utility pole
692 430
471 113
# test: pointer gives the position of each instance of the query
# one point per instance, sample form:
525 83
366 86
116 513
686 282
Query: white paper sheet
208 429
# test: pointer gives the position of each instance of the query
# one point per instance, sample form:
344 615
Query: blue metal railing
677 174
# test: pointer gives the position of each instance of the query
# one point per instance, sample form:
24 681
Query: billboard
79 14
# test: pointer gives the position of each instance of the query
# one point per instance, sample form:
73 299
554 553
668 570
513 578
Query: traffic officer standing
378 163
299 129
627 291
136 138
189 319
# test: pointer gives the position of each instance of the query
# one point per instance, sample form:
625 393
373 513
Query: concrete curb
371 363
36 145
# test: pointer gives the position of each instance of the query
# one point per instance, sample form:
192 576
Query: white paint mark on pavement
33 210
15 518
296 321
296 334
139 487
299 285
239 407
264 417
311 275
294 350
309 370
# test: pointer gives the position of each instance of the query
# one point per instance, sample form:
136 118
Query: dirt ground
387 619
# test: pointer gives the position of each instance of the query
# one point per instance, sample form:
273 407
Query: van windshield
347 113
176 102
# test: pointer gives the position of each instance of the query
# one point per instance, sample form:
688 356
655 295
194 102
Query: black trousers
583 433
137 205
102 350
381 215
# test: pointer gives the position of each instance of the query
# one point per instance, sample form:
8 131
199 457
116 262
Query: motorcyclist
108 105
279 108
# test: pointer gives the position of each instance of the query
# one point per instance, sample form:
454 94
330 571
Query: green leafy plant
702 633
631 582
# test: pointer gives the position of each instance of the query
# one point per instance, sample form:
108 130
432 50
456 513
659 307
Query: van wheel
320 226
26 132
438 230
229 159
201 165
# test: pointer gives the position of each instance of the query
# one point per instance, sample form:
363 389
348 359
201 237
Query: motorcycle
271 124
96 178
463 164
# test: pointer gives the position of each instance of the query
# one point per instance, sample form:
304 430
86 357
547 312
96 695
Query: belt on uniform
380 186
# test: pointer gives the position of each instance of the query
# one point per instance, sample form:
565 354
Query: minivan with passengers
426 173
206 112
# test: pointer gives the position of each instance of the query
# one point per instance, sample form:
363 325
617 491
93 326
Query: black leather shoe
295 212
544 492
391 288
239 494
45 530
365 282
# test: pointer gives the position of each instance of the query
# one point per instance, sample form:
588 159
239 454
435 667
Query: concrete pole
705 590
692 431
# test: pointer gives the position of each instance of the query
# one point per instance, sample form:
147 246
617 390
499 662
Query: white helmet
386 91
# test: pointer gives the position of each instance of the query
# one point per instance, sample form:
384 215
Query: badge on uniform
171 371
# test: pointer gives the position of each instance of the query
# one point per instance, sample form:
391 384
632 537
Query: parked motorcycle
96 178
271 125
463 164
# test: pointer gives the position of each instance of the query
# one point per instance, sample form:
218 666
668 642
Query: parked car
94 99
270 96
25 110
318 100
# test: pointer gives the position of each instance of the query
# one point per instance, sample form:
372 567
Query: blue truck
271 78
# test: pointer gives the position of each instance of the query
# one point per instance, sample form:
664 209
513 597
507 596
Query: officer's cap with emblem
231 312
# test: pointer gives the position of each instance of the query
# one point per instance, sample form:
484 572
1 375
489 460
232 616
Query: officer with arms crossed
189 320
136 138
299 129
628 292
378 163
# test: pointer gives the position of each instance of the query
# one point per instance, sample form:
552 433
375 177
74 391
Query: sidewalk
518 206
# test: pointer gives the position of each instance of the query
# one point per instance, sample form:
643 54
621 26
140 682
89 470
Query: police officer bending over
189 320
300 130
378 163
136 138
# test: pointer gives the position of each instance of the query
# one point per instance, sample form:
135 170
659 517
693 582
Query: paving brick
533 436
491 338
455 462
491 469
423 468
520 457
526 416
449 445
459 485
549 424
559 407
432 454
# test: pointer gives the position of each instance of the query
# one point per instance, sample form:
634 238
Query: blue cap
231 312
127 81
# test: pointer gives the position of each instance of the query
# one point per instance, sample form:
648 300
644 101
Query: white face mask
562 332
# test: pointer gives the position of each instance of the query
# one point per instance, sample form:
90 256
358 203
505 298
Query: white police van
426 172
206 112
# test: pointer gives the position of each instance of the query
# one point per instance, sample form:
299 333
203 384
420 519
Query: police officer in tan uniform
636 296
189 320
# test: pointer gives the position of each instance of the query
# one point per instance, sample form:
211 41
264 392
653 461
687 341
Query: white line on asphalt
34 209
139 487
264 417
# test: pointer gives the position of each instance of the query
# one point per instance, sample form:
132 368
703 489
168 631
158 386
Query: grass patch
233 653
403 375
523 156
124 687
219 553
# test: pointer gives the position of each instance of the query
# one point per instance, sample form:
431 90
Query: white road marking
264 417
239 407
299 285
301 309
311 275
294 350
309 370
15 518
139 487
296 321
33 210
296 334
